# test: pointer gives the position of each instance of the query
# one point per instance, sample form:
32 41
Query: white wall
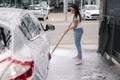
98 3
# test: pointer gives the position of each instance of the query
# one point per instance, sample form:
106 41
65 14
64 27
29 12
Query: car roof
10 17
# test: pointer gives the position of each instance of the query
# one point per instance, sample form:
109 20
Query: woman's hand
67 30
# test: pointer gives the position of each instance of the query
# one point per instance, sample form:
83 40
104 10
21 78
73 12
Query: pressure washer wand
60 39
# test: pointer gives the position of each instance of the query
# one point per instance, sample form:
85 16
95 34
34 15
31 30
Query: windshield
5 39
91 8
34 7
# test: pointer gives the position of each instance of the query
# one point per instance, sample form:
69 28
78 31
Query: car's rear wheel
84 17
47 17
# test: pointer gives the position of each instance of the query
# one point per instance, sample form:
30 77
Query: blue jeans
77 37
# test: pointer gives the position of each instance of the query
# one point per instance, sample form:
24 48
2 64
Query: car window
91 8
5 38
25 30
29 24
37 23
29 28
34 7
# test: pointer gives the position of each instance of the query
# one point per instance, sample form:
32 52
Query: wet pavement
94 67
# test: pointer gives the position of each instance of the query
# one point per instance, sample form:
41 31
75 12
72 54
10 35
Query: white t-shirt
79 23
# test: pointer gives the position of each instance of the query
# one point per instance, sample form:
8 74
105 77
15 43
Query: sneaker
78 62
76 57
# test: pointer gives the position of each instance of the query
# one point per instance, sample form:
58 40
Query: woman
78 31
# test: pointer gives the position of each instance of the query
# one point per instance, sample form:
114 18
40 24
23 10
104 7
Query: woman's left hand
67 30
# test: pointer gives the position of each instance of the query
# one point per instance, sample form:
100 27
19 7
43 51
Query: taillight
17 70
26 74
49 56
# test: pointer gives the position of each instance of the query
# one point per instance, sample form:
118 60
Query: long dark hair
77 13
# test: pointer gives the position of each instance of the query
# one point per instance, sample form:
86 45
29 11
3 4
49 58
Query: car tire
84 17
43 19
47 17
39 19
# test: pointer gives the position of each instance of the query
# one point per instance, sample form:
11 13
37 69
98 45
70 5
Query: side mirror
49 27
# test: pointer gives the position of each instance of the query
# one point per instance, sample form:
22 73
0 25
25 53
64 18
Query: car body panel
22 49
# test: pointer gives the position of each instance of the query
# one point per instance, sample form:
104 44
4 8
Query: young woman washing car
78 31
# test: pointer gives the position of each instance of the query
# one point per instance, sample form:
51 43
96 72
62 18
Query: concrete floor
62 66
94 67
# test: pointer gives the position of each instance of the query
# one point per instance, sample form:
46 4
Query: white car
24 48
90 12
39 12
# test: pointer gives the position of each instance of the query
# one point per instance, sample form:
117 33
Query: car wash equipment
60 39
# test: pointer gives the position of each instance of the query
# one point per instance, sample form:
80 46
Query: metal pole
10 2
57 2
3 3
15 2
73 1
65 8
32 2
48 2
81 4
89 1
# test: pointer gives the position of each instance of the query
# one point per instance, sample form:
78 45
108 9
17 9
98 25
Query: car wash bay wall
109 39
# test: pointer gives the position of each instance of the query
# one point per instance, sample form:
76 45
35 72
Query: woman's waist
78 28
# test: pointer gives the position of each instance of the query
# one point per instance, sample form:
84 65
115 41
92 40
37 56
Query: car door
34 33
